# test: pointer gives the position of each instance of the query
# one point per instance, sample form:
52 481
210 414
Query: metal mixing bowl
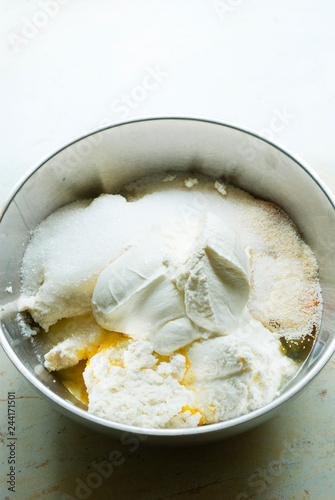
106 160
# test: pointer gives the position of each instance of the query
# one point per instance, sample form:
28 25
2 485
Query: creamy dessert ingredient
180 294
73 339
217 286
145 295
145 392
211 380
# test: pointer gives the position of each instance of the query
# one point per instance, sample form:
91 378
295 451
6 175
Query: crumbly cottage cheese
178 294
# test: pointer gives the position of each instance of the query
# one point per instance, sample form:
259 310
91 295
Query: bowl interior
105 161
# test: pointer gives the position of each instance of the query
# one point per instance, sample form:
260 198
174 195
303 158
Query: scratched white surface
68 66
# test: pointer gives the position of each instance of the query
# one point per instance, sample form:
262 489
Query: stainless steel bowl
106 160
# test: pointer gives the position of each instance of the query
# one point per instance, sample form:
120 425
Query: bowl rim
206 429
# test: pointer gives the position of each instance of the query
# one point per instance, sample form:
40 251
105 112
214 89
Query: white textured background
68 66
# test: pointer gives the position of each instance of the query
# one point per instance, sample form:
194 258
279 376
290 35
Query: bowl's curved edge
253 418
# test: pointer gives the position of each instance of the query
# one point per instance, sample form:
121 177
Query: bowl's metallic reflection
106 160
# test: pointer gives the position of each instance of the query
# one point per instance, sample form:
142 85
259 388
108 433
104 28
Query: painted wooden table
68 67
